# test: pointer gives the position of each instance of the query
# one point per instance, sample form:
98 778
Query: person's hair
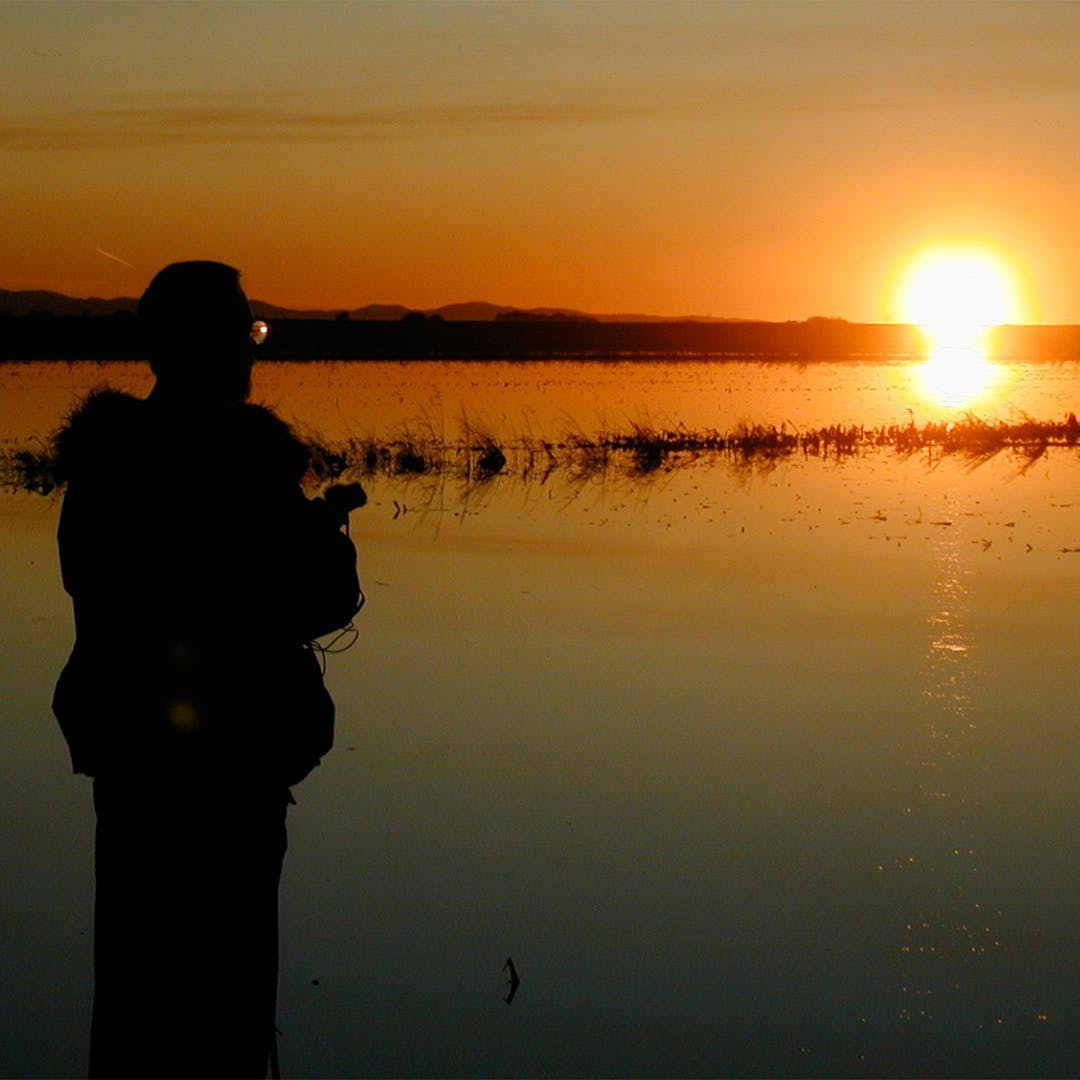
193 317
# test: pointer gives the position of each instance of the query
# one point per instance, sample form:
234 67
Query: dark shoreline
115 337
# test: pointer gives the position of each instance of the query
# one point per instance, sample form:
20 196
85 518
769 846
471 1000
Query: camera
345 497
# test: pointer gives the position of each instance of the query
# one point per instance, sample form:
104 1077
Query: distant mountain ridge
43 302
483 331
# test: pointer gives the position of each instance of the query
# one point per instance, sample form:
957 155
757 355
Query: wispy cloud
185 124
975 81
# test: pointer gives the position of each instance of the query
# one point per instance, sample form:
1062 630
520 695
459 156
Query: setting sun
957 292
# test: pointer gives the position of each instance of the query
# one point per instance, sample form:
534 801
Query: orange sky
761 160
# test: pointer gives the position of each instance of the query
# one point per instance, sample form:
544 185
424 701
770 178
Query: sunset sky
759 160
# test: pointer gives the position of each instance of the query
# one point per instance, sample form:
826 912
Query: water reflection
949 927
676 845
953 943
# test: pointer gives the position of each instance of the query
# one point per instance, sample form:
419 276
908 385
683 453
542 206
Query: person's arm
309 563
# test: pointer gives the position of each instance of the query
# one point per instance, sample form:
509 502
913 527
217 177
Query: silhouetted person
198 571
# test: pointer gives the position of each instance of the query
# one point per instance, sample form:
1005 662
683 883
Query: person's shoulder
104 406
270 439
100 425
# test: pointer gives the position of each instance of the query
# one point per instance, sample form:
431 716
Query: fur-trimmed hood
114 432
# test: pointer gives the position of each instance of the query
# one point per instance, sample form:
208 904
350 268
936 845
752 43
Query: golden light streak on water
961 377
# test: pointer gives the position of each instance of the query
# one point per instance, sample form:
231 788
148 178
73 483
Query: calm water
751 773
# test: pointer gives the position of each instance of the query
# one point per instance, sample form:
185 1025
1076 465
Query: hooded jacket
198 571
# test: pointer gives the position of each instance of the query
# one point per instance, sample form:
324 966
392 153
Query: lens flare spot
183 715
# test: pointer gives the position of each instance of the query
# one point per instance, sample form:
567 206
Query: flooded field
760 768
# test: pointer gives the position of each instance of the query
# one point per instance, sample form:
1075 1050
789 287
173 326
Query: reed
28 468
476 455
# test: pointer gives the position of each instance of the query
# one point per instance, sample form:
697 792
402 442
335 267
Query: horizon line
544 310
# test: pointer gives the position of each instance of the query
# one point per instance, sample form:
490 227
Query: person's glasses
259 330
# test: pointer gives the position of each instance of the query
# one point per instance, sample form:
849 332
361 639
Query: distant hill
42 302
42 325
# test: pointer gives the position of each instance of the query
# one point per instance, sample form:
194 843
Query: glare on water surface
960 376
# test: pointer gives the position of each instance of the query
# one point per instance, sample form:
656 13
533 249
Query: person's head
195 323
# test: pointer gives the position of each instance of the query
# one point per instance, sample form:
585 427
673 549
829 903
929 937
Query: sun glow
956 293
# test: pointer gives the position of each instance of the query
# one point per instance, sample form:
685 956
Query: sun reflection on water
952 948
960 376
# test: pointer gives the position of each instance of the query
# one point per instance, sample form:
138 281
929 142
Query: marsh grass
475 455
30 467
642 448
